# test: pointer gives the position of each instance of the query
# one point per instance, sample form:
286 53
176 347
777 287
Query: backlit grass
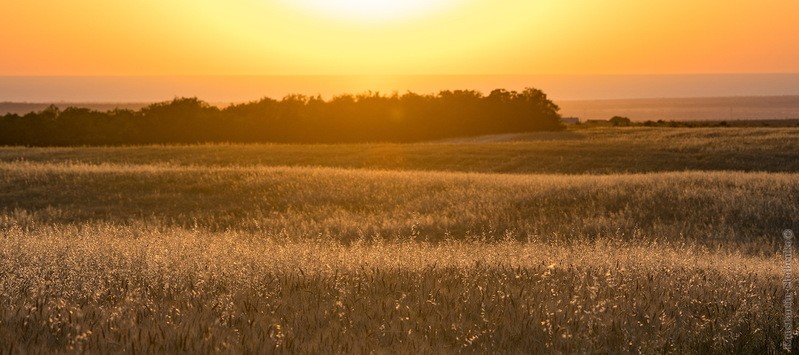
585 241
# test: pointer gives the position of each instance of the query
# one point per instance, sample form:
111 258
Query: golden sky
384 37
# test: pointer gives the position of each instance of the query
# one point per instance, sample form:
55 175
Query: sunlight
372 10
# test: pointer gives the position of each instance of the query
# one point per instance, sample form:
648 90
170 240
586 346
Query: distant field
22 108
609 240
686 109
581 151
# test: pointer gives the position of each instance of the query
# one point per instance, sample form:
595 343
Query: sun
372 11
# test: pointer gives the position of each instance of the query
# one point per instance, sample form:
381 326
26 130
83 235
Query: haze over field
228 89
640 97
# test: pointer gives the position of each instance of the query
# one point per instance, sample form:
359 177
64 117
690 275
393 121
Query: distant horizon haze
232 89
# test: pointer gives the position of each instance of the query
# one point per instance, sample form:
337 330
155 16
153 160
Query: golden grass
105 288
578 151
343 205
632 240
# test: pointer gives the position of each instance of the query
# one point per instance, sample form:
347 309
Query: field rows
345 205
601 241
579 151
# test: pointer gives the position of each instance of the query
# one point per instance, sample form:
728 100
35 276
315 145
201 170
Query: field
729 109
625 240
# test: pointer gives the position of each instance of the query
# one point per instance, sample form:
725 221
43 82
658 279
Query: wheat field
535 243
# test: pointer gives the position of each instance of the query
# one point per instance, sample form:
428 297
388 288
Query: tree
620 121
368 117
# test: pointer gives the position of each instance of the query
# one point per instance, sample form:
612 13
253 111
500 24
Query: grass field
591 151
634 240
687 109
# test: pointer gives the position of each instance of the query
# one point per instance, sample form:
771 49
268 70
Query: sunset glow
342 37
371 11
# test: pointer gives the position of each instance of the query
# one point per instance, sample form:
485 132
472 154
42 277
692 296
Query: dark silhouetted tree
367 117
620 121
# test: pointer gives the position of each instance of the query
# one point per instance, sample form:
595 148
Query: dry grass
580 151
103 288
342 205
601 241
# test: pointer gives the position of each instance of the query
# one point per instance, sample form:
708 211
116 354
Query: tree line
368 117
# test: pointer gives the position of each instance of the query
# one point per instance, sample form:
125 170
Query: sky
380 38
